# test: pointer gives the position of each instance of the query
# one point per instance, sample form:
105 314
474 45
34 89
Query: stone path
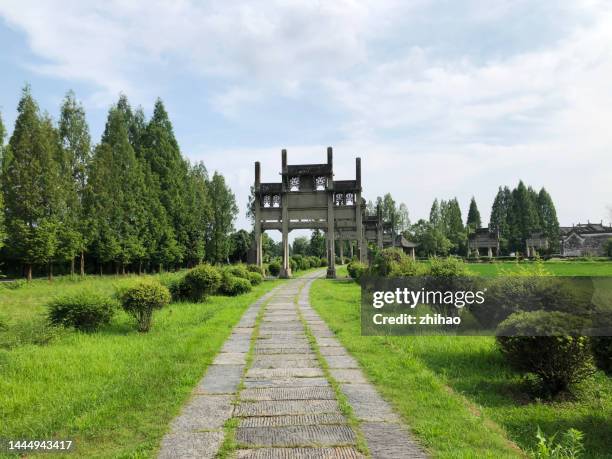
283 404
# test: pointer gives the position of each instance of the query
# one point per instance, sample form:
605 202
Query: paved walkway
283 405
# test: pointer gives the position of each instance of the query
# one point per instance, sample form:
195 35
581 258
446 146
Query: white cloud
432 114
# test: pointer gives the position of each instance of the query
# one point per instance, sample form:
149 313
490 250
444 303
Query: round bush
239 270
315 262
85 311
234 286
255 278
356 269
294 265
142 299
256 269
384 260
201 281
448 267
558 360
406 267
274 268
323 262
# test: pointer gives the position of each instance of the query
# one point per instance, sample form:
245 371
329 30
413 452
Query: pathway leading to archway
269 381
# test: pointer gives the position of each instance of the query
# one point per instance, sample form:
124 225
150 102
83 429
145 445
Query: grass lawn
114 391
558 268
456 393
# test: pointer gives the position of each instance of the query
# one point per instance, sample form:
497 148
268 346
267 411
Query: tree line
516 215
131 202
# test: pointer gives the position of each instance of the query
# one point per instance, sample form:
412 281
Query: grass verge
115 391
456 393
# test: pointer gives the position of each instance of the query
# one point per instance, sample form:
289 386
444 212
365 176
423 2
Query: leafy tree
250 212
31 186
403 220
270 248
430 238
473 218
300 246
224 211
318 244
435 217
240 244
75 143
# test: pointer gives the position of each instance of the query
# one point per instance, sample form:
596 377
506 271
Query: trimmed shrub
178 289
234 286
239 270
255 278
257 269
448 267
323 262
406 267
385 259
274 268
602 346
294 265
142 299
202 281
315 262
558 361
84 311
356 269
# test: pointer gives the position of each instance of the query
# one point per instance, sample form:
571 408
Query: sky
439 98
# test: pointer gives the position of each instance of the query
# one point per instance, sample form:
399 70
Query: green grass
114 391
456 393
558 268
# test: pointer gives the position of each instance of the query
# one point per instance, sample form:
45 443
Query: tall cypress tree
162 152
452 224
548 219
118 196
31 186
523 218
498 222
75 143
224 211
199 212
2 148
434 214
473 218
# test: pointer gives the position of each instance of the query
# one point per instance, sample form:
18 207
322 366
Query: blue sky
439 98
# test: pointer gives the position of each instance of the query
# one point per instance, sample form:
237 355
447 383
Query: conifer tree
162 152
198 209
224 211
548 219
523 218
498 222
434 214
75 143
31 187
118 196
473 218
2 148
